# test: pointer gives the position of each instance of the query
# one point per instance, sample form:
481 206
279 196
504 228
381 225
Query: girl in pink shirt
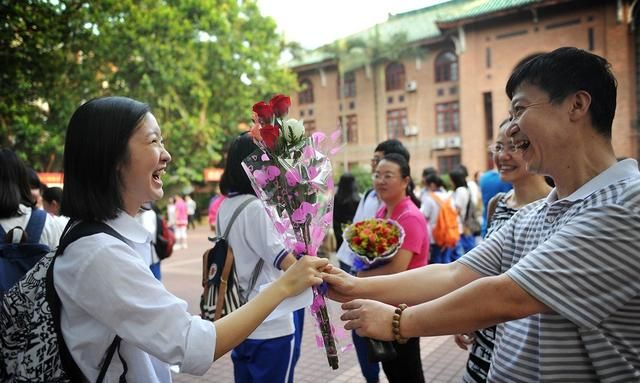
393 185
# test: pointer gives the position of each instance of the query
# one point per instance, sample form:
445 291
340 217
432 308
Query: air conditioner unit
411 86
439 143
410 130
454 142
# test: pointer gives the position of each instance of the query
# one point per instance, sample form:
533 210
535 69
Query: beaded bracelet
395 324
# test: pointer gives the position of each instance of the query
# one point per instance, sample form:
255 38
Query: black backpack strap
73 232
35 225
107 360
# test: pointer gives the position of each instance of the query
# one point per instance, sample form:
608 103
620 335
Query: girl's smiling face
146 162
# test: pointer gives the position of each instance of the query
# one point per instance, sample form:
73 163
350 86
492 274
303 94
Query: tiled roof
477 8
421 24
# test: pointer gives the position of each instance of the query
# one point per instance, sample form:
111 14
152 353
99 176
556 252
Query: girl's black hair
458 178
347 190
14 185
234 179
96 146
405 171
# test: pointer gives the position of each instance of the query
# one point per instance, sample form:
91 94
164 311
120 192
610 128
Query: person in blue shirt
490 185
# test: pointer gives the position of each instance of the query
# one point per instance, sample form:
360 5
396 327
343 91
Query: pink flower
293 177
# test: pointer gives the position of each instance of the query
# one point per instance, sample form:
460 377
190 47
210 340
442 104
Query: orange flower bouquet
374 241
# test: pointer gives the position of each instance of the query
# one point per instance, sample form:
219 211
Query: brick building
434 77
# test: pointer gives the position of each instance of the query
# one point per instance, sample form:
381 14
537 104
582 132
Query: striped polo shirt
579 256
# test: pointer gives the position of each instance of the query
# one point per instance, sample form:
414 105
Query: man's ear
580 103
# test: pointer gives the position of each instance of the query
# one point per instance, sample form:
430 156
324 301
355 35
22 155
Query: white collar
129 228
617 172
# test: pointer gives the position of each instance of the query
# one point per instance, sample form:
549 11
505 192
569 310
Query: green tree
199 64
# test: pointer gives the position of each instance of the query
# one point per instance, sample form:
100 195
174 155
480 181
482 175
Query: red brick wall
612 39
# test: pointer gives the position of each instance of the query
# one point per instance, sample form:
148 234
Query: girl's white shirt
253 236
461 198
106 288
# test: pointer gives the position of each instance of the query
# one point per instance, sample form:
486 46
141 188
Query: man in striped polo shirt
562 277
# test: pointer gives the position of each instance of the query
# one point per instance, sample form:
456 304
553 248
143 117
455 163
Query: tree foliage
199 64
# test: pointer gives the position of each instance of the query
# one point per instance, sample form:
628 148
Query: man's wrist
395 324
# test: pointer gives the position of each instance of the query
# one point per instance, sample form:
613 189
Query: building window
487 100
394 76
305 96
351 129
447 117
446 67
396 122
349 89
447 163
488 57
309 126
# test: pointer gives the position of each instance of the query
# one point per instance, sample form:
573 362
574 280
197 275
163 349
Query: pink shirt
182 215
213 209
416 237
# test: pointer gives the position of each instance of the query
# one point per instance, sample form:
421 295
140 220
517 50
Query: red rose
264 112
357 240
270 135
280 105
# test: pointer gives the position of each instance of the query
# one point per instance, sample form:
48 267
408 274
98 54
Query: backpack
165 238
446 231
33 348
222 292
20 249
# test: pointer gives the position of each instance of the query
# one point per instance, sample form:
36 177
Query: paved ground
441 359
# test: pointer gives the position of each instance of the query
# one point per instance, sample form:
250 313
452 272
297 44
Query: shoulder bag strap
254 277
71 234
491 208
437 199
35 225
228 262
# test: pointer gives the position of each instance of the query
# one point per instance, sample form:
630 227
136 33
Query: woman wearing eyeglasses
393 185
527 187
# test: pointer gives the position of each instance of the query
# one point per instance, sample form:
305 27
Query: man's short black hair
14 185
393 146
95 147
234 179
53 193
568 70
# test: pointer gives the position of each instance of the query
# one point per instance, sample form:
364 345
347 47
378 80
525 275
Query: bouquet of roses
291 174
374 241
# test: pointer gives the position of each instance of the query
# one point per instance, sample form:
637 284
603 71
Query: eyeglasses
517 111
383 177
375 160
500 148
